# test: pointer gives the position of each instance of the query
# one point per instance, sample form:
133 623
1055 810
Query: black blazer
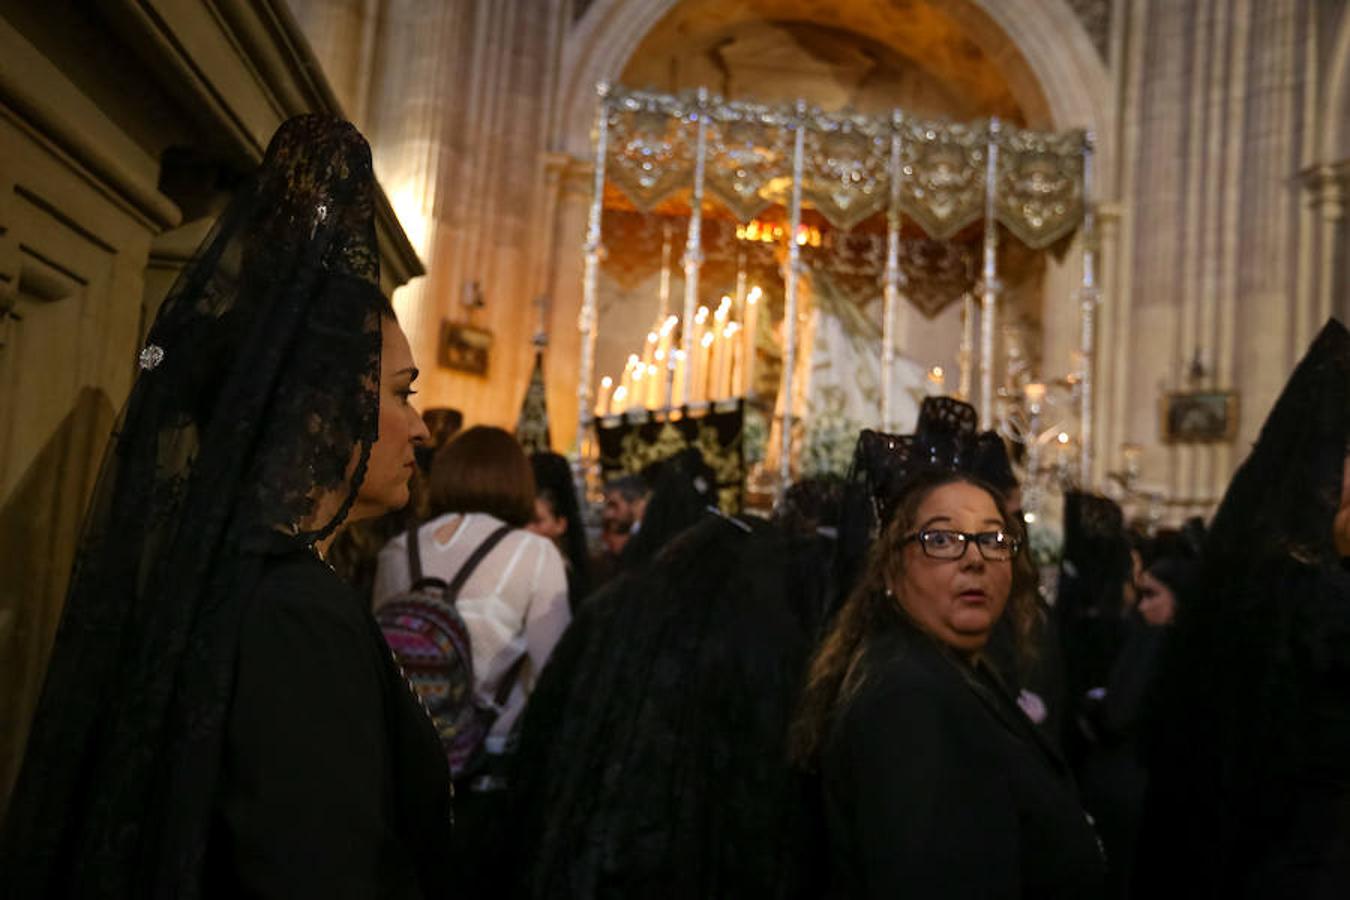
937 785
333 781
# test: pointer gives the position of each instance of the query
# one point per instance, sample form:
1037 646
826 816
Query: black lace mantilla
259 394
946 436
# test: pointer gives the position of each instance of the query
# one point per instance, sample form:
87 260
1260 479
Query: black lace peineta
262 398
946 436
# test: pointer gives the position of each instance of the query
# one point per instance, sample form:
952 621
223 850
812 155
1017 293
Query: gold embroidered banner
846 164
650 155
942 183
629 444
1039 194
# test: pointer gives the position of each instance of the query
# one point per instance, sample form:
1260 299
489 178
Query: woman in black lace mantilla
1249 754
220 716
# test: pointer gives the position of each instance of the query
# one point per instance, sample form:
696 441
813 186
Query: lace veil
1229 737
258 393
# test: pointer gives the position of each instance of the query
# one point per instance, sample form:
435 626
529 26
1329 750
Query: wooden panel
72 257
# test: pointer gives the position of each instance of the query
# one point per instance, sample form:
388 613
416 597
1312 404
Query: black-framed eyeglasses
942 543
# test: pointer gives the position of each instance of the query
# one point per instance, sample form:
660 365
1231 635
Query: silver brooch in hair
320 216
151 356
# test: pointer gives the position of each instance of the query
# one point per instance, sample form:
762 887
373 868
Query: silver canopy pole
1088 297
790 312
990 287
894 280
693 248
587 322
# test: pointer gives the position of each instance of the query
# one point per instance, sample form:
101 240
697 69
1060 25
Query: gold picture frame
465 348
1199 417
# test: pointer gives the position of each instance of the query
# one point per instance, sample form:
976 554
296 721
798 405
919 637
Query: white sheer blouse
514 603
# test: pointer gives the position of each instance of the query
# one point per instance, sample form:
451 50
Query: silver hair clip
320 216
151 356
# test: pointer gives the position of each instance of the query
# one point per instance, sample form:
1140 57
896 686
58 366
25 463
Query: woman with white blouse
515 602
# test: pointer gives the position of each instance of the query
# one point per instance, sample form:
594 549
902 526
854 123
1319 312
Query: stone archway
1049 61
1037 39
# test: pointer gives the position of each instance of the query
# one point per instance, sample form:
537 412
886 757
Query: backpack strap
478 555
508 681
414 554
452 595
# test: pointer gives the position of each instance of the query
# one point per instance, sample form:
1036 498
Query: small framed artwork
1199 417
465 348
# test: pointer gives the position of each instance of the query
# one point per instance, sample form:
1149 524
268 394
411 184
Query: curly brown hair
837 671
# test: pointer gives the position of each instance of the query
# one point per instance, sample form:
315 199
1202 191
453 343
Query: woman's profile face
1157 603
392 462
547 523
956 600
1340 528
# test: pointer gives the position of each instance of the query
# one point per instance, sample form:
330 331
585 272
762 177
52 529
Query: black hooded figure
652 759
683 488
553 481
221 716
1249 753
1090 607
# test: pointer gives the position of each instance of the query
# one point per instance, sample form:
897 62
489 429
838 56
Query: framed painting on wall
1199 417
465 348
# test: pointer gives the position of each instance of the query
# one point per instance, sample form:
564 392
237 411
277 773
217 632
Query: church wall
457 108
1231 246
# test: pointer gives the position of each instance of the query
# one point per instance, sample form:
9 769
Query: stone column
1327 193
458 118
342 34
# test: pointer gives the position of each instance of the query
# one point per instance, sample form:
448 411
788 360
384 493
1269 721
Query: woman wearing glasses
935 782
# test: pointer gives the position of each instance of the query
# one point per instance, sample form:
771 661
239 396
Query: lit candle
649 348
618 401
679 372
667 337
734 361
704 386
1035 393
637 396
626 382
696 376
937 377
602 402
653 382
748 340
720 348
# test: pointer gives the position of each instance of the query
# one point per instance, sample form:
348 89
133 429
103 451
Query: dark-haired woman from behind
936 784
557 516
515 602
514 605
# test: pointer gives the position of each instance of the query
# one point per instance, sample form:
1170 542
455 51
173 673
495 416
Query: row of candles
721 366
